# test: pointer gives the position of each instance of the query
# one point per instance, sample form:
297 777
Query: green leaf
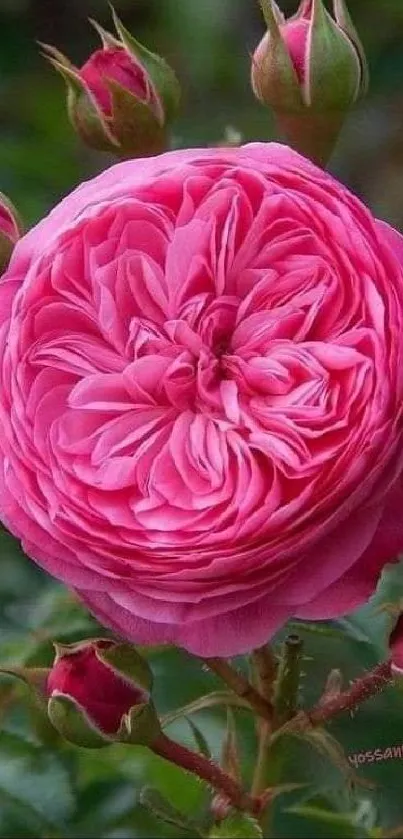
327 823
36 781
237 826
158 805
200 739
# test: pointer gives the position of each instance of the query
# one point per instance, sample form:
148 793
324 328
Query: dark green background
47 789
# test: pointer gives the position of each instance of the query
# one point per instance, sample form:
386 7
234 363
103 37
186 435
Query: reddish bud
101 692
98 692
123 98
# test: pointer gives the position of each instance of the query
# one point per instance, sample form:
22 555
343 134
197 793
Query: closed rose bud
310 69
10 230
115 64
97 689
123 98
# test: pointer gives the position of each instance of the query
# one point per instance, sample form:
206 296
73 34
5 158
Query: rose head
202 396
103 692
123 97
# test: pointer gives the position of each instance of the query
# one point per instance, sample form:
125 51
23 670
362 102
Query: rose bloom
202 395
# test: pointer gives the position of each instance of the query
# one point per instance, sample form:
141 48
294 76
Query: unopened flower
99 690
123 98
310 69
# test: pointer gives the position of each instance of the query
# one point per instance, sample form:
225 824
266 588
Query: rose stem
208 771
285 701
240 685
361 690
264 668
288 678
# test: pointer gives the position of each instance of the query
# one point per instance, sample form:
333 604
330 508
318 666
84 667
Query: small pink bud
123 98
10 230
310 69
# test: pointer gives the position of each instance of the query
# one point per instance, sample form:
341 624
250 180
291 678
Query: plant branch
208 771
265 669
241 686
287 684
360 691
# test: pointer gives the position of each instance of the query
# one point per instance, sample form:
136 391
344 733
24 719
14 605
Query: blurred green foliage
209 43
51 789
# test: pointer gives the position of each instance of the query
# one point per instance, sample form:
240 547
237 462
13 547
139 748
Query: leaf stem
208 771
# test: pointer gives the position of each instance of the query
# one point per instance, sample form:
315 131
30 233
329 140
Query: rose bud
123 98
99 691
310 69
10 230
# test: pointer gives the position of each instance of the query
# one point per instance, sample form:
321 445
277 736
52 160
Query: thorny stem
287 684
360 691
208 771
264 669
241 686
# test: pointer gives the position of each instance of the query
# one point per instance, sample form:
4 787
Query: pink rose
202 396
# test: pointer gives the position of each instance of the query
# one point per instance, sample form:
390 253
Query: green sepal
71 721
7 245
6 250
84 113
136 126
344 20
333 78
127 663
140 726
161 75
5 202
108 40
275 81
